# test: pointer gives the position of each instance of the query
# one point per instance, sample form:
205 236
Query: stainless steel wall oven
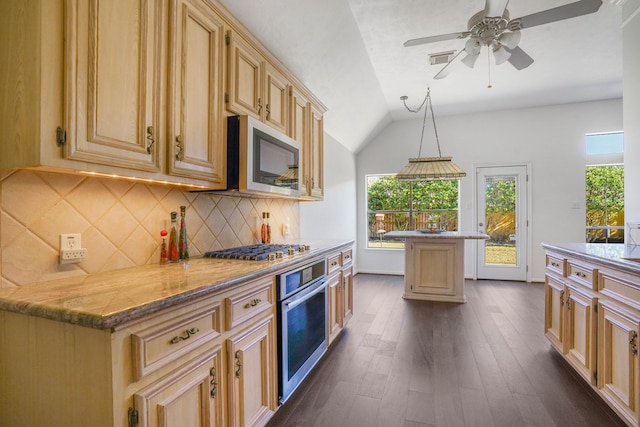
302 324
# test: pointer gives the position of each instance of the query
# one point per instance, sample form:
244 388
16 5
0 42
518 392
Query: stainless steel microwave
261 159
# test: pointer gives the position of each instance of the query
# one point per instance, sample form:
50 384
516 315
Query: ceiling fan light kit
492 27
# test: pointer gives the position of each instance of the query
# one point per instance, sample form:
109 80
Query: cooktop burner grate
257 252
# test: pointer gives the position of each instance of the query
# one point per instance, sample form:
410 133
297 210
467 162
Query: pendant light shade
428 168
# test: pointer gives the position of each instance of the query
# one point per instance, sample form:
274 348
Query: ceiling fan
492 27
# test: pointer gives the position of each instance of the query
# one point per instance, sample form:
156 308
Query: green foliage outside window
605 202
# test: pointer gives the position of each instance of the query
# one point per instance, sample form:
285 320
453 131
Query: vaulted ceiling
350 54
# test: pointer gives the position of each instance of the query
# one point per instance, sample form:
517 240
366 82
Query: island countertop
438 235
105 300
614 255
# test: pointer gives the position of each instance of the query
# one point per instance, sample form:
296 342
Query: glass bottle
263 228
163 248
174 255
268 229
182 238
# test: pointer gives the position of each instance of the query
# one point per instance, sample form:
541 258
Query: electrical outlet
71 250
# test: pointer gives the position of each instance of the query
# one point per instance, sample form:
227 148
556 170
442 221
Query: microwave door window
276 165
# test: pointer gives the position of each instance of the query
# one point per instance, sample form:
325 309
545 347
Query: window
392 204
605 203
604 143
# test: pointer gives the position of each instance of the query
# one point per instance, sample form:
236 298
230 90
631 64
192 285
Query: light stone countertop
611 255
105 300
439 235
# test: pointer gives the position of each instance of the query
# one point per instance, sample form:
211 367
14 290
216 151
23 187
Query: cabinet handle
238 364
555 264
253 303
561 298
150 140
633 342
213 382
179 148
334 263
259 106
268 112
581 274
188 333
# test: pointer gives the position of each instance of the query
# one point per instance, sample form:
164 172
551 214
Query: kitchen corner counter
613 255
106 300
438 235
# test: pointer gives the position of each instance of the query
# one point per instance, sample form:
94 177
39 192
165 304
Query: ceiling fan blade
519 58
433 39
495 8
444 71
571 10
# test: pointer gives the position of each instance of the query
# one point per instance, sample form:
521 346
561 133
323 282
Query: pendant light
428 168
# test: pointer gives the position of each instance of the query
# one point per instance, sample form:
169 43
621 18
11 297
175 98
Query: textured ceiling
350 54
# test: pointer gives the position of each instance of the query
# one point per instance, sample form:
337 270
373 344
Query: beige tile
9 230
140 246
117 224
99 249
228 238
117 262
236 221
216 222
203 205
26 197
226 206
173 200
202 241
139 201
91 199
62 183
27 259
159 191
119 187
61 218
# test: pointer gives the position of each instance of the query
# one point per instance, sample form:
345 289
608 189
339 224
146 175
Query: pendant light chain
428 108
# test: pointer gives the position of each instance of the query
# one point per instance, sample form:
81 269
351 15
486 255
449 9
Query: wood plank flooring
417 363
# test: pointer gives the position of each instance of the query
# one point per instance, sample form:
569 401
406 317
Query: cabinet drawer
346 257
333 263
622 287
582 274
555 264
172 337
245 305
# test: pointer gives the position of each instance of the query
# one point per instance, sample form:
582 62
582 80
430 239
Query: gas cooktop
259 252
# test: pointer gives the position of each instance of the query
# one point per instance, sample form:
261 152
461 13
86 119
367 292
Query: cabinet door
252 369
335 306
554 294
299 120
196 148
186 397
112 80
580 338
244 79
618 376
276 99
316 161
347 292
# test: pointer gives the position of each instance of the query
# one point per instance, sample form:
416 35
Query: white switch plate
71 250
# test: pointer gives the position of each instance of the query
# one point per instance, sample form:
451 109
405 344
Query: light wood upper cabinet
196 147
112 68
254 86
316 152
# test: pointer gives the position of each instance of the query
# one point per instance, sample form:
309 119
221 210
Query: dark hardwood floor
418 363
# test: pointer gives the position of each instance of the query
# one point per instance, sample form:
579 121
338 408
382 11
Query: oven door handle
296 302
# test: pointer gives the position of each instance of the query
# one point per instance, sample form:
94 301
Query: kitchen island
592 318
434 264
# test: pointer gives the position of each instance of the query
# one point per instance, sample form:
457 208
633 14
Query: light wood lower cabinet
210 362
592 317
618 369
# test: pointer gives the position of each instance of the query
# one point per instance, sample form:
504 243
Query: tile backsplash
120 222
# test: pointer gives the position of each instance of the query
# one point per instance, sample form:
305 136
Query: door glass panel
500 220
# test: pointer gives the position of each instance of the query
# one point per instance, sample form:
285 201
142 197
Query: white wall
335 216
631 89
550 138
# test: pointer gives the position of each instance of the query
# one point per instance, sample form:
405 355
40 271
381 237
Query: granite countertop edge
18 299
608 255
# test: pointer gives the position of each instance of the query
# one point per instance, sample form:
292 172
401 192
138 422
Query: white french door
501 194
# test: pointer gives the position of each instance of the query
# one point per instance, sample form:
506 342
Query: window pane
605 204
397 205
604 143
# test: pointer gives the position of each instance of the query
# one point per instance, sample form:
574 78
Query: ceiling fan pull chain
489 67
